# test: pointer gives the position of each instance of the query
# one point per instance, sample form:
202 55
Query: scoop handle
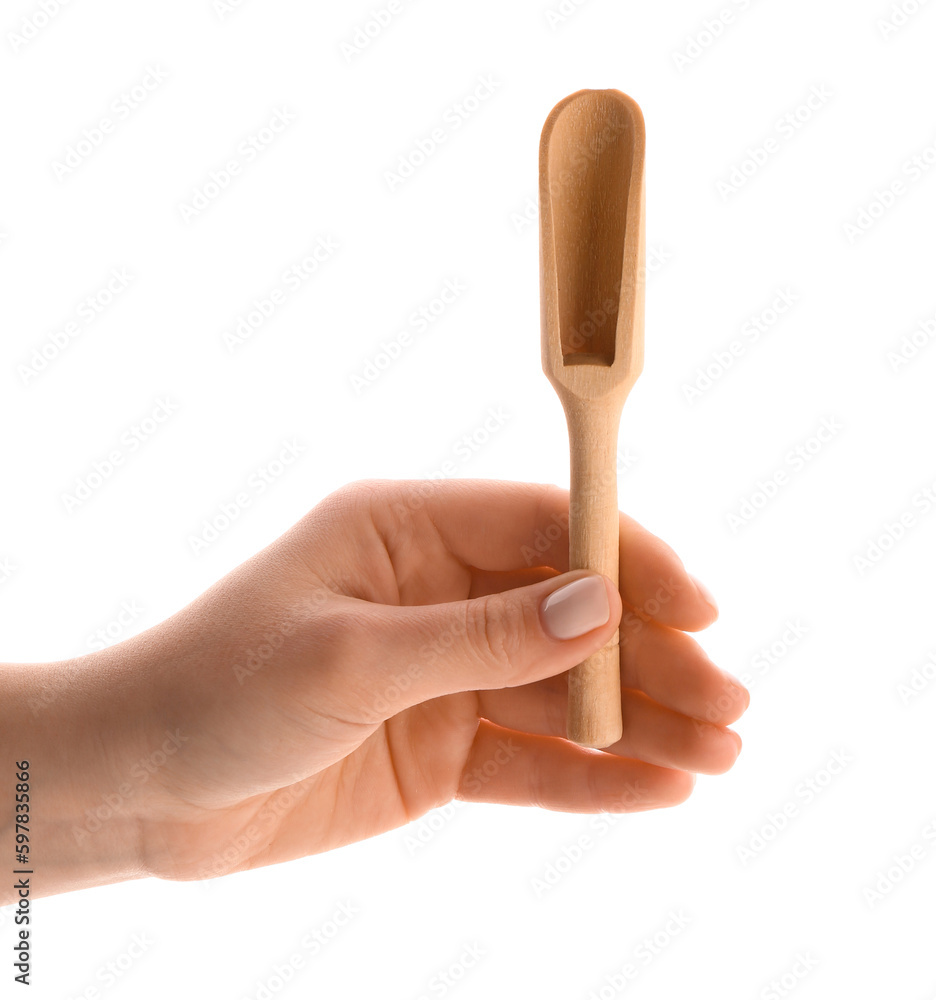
594 708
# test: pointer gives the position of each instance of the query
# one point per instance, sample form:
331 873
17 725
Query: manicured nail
704 592
576 608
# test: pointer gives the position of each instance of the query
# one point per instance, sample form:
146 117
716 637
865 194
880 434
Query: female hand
396 648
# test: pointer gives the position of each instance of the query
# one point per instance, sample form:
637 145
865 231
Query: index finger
511 528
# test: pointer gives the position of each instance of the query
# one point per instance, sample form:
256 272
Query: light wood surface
592 312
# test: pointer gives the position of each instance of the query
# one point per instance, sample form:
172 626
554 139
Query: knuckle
496 633
358 494
351 501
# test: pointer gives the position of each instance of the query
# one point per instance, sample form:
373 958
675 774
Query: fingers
501 640
666 664
675 703
652 732
673 669
664 737
484 582
655 584
500 527
522 769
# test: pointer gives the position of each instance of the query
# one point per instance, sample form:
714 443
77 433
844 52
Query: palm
432 739
326 808
316 766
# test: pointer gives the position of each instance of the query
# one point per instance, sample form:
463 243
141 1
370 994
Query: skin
384 656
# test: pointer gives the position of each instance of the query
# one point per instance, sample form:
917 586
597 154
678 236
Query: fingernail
576 608
704 592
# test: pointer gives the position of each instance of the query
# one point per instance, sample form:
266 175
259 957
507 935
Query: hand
397 648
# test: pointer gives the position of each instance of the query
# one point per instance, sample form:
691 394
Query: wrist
66 720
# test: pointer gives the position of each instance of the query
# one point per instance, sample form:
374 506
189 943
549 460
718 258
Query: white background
723 254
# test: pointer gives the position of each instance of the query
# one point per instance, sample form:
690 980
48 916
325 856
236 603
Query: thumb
502 640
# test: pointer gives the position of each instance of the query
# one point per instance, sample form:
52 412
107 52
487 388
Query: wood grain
592 217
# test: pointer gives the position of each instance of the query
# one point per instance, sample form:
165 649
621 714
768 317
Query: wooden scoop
592 282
